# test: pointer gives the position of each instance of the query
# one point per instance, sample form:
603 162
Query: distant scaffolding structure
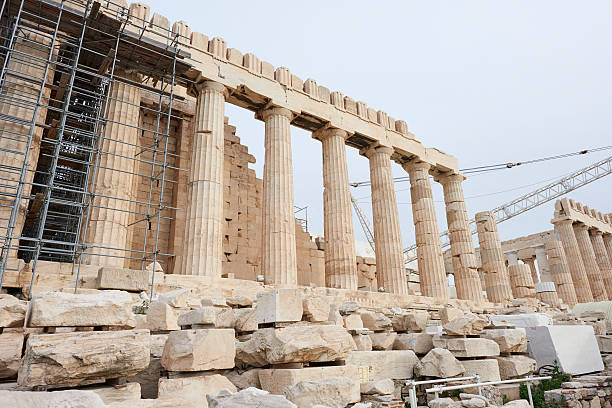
75 76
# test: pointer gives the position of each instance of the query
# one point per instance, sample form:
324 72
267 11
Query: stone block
467 346
199 350
605 343
194 389
439 363
162 317
244 379
394 364
487 369
449 313
515 366
274 380
466 324
279 305
414 321
522 320
11 344
218 317
550 343
508 340
69 359
334 392
383 340
12 311
68 399
124 279
245 319
363 342
420 343
380 387
316 309
353 321
116 394
375 321
295 344
56 309
251 397
178 298
158 341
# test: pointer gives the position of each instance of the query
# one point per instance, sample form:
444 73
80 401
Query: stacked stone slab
513 359
366 273
521 281
497 281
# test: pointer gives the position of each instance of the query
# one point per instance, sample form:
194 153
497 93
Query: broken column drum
493 263
521 281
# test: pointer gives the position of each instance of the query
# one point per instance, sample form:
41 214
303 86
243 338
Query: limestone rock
176 298
199 350
209 301
194 389
414 321
158 341
275 380
279 305
439 363
56 399
380 387
420 343
449 313
509 340
375 321
74 358
515 366
440 403
383 340
363 342
353 321
105 308
334 392
162 317
123 279
218 317
487 369
518 404
245 319
394 364
244 379
248 398
295 344
474 403
467 347
11 344
348 307
239 301
469 323
114 394
12 311
316 309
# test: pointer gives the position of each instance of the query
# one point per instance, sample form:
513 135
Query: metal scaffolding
60 61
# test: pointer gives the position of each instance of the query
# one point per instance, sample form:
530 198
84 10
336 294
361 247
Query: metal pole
529 392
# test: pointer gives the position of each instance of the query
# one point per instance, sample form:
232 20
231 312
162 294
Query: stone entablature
568 209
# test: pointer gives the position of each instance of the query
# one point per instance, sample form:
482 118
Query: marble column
560 272
565 231
598 288
203 243
603 261
279 264
512 258
532 268
390 268
23 84
465 266
108 231
340 262
429 251
497 279
607 239
521 281
543 266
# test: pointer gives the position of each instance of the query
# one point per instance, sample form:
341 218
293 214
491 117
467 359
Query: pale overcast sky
486 81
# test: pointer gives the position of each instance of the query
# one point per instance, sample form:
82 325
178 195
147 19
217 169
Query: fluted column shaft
607 239
497 280
521 281
108 223
465 267
560 271
279 263
603 261
543 266
598 288
390 268
340 262
203 252
565 231
429 251
532 268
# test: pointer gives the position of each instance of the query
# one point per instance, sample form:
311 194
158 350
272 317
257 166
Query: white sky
486 81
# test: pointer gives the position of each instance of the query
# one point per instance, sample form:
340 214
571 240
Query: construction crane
534 199
365 225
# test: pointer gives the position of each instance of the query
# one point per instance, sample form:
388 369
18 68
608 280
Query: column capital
376 148
580 226
275 110
448 177
326 132
416 164
212 86
563 221
596 231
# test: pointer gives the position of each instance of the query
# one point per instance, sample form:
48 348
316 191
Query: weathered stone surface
439 363
176 402
295 344
515 366
518 404
249 398
74 358
414 321
487 369
509 340
158 341
113 394
107 308
245 319
123 279
420 343
348 307
380 387
176 298
383 340
57 399
467 347
12 311
279 305
363 342
219 317
474 403
199 350
440 403
449 313
394 364
353 321
375 321
522 320
316 309
239 301
469 323
162 317
244 379
11 344
275 380
209 301
194 389
334 392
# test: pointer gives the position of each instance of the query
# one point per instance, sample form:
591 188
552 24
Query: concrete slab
573 347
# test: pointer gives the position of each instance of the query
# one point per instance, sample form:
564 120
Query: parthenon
144 262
